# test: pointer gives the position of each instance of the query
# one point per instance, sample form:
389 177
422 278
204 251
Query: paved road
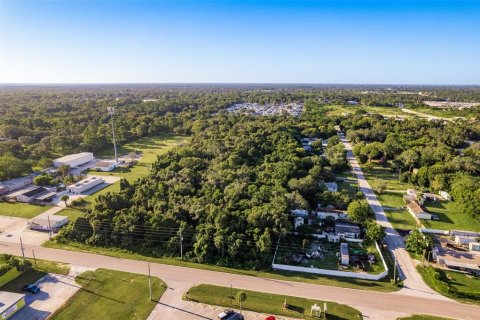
413 282
374 305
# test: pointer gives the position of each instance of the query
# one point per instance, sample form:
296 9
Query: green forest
225 197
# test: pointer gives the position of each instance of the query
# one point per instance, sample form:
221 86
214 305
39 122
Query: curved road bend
413 282
374 305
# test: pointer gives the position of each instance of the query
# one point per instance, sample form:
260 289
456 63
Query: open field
386 111
149 148
456 285
108 294
451 217
268 303
21 210
382 285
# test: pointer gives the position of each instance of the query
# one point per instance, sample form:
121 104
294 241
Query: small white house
105 165
416 210
347 230
445 195
299 213
345 257
331 186
324 213
52 222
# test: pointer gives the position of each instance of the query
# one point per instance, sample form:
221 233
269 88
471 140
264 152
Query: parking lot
12 229
194 310
55 291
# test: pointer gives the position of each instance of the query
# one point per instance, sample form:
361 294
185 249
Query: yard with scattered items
268 303
21 210
323 254
108 294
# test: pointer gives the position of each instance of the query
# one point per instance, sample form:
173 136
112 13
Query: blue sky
392 42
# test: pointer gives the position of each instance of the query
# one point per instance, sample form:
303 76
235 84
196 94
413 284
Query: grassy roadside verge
423 317
14 280
108 294
455 285
268 303
382 286
21 210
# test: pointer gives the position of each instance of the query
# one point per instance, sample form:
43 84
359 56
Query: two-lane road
412 281
374 305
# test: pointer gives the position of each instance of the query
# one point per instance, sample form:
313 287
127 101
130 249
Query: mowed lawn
21 210
423 317
451 217
72 213
108 294
149 148
268 303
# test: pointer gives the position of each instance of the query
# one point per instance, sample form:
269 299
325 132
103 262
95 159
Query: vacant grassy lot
337 110
108 294
149 148
268 303
21 210
451 217
72 214
456 285
383 285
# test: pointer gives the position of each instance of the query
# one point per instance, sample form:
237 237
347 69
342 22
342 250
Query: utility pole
149 281
49 229
181 245
34 259
395 270
111 112
21 248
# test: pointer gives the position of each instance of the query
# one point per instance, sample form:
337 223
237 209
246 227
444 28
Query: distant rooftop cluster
293 109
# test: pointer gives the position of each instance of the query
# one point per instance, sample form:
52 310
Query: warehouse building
74 160
15 184
53 223
84 185
10 303
33 194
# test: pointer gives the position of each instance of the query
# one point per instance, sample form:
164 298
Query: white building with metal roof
74 160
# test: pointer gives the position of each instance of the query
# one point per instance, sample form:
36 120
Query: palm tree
65 198
241 297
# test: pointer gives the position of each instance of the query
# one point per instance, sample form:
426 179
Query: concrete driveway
13 228
55 289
